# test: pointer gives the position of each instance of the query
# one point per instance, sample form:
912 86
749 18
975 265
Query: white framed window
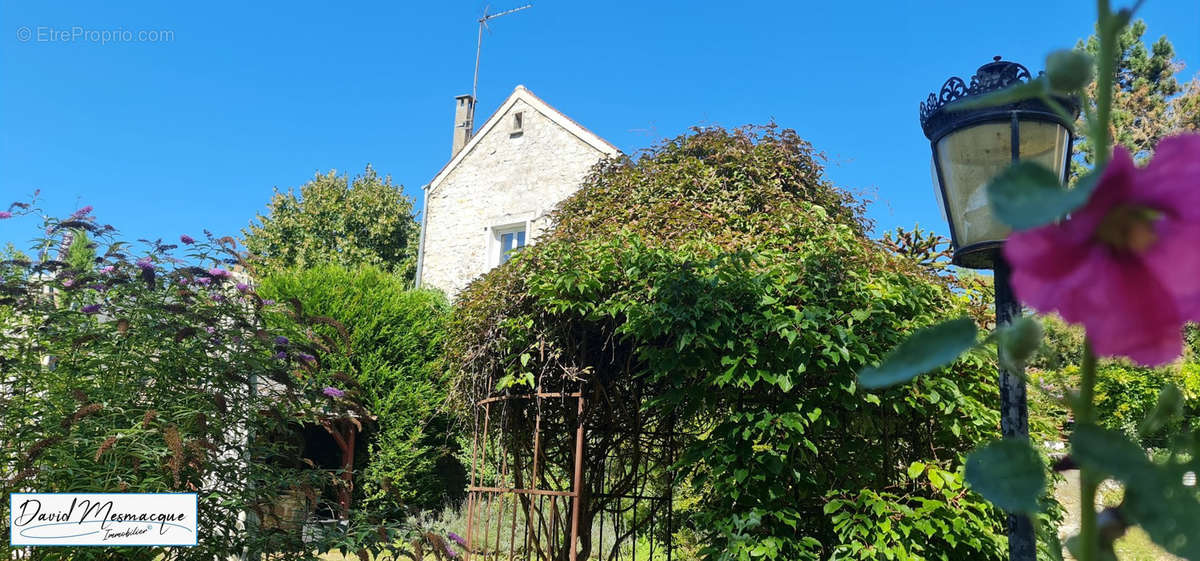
506 241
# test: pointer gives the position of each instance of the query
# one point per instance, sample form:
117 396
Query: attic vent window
518 123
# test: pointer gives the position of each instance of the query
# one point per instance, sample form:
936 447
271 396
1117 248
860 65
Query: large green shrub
720 286
392 351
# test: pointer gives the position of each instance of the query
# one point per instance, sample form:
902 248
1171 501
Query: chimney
464 122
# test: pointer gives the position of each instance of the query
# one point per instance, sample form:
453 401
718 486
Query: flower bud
1170 404
1068 70
1019 341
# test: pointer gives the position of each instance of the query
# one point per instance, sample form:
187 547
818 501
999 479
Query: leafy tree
1149 102
333 219
392 351
721 286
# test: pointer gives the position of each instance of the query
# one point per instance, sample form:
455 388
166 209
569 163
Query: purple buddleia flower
281 341
281 355
146 264
210 329
186 239
306 357
107 269
333 392
268 302
218 273
183 281
457 539
91 309
204 281
68 283
243 287
81 212
218 298
5 214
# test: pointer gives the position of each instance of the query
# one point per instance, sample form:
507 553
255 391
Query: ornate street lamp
970 147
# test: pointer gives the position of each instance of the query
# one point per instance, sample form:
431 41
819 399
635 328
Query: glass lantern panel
1045 143
971 157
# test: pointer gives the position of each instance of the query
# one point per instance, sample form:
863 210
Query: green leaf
1155 497
1027 195
1009 473
1069 70
915 469
924 350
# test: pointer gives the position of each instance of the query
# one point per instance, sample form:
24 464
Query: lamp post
970 147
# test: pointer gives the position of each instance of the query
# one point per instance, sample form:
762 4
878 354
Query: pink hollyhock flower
1127 264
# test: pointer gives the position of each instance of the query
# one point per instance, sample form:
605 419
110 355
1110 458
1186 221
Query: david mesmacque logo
108 519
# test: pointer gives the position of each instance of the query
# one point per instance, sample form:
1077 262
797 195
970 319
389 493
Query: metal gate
553 478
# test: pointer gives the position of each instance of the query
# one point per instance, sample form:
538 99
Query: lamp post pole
1014 410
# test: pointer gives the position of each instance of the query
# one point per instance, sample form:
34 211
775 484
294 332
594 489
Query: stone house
495 194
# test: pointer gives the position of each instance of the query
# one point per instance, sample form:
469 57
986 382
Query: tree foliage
392 350
364 221
720 287
1149 102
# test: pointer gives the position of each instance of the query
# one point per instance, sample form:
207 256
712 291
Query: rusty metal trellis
554 478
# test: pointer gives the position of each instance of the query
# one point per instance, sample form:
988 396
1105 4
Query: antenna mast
479 42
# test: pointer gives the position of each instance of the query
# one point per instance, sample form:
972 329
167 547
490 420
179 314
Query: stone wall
507 179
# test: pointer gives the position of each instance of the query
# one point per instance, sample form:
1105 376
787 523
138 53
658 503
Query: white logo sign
104 519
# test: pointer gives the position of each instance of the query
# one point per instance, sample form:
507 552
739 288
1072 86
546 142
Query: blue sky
174 136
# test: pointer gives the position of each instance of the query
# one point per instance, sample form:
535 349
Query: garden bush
719 286
1125 392
393 337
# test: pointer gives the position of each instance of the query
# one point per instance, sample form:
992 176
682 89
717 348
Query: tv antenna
483 23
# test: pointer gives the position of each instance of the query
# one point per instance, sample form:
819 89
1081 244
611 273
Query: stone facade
523 161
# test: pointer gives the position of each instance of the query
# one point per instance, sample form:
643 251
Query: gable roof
522 94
